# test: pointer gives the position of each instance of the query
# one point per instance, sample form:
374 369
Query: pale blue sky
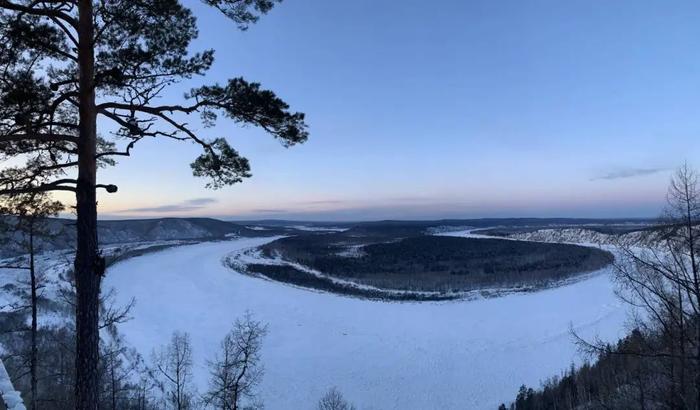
445 109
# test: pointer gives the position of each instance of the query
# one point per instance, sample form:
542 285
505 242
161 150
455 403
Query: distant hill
166 229
141 230
512 222
474 222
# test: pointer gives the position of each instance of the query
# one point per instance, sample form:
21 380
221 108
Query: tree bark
34 349
89 266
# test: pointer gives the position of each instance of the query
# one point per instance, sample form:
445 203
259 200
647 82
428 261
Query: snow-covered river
381 355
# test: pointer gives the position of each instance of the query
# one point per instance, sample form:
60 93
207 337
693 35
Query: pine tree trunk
34 350
89 267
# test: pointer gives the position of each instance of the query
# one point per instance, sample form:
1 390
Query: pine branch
49 137
42 12
48 187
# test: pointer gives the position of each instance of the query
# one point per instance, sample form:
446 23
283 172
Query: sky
450 109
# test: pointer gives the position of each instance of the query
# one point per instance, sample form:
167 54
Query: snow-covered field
381 355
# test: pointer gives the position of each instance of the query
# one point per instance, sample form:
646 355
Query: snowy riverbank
382 355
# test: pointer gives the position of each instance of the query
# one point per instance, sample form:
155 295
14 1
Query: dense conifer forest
438 263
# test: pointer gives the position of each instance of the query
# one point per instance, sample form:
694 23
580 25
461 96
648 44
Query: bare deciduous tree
334 400
174 371
118 371
25 214
659 274
236 371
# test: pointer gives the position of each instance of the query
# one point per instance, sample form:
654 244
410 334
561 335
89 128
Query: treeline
658 365
292 275
163 380
130 382
440 263
121 386
621 376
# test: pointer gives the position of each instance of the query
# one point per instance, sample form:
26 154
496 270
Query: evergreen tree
66 63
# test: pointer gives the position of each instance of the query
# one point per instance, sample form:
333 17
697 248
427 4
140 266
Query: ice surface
381 355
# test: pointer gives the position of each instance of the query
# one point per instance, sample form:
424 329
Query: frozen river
381 355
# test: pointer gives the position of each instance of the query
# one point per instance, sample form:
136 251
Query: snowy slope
382 355
62 232
8 394
53 274
578 235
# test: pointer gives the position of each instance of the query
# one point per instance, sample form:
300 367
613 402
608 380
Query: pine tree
66 63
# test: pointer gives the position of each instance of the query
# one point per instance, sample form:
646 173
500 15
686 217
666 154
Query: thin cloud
325 202
269 211
184 206
629 173
200 201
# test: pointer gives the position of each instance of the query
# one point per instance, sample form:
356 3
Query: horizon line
109 217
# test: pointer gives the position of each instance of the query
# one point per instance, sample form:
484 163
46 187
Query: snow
316 228
381 355
352 251
571 235
239 260
53 269
11 397
581 237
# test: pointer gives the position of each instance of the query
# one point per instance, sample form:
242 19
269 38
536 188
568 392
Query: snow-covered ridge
54 269
581 236
62 234
567 235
